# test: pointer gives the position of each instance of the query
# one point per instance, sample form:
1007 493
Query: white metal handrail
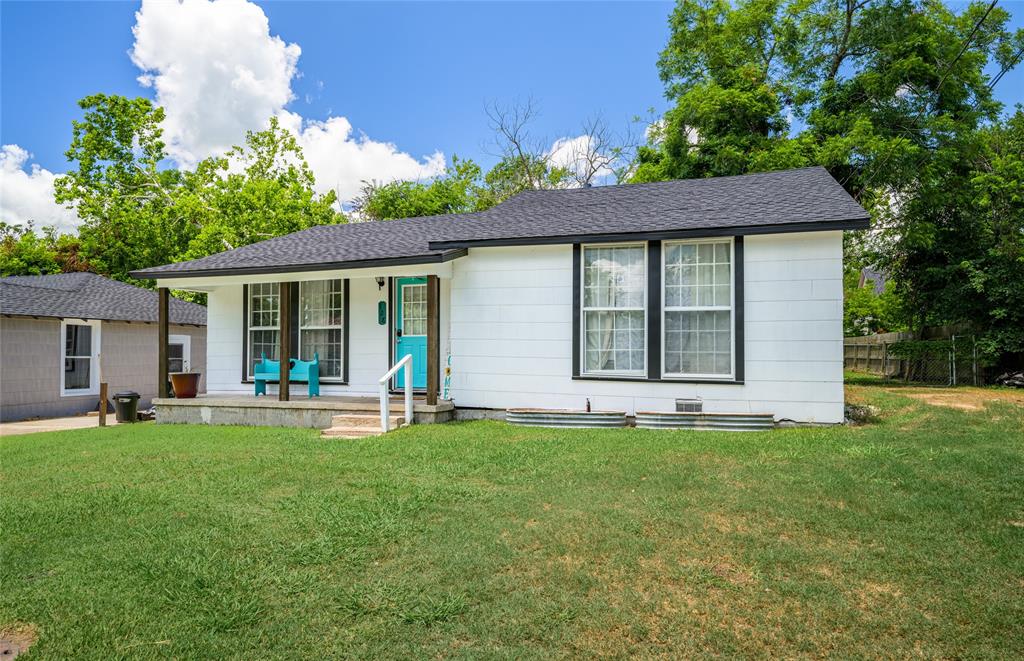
385 409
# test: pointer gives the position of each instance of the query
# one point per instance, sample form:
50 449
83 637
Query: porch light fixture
380 282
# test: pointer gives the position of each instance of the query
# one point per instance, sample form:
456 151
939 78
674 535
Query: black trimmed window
321 325
614 309
263 323
697 313
319 322
659 311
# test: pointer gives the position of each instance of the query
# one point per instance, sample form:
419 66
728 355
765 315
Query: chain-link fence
894 356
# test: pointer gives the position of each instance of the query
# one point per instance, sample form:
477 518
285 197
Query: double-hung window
318 324
698 309
684 298
614 309
321 319
264 328
80 348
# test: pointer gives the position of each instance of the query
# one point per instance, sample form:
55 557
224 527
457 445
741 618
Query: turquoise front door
411 329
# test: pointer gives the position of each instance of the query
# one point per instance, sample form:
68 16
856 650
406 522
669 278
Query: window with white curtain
264 308
614 309
698 308
321 319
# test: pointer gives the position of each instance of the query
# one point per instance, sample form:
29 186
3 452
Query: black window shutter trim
577 304
654 310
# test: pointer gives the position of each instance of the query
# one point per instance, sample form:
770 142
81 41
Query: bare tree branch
510 124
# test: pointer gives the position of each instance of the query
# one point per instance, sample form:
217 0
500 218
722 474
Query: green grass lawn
479 540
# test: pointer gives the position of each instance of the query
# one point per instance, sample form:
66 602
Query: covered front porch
358 324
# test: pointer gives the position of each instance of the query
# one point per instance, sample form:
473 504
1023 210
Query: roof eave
787 228
29 315
446 255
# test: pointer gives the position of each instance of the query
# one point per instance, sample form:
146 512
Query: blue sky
393 86
415 74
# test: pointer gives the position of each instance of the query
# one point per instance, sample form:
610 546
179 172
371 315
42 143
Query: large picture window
321 320
661 310
698 308
80 346
264 328
317 314
614 309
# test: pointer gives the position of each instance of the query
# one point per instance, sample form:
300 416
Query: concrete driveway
54 424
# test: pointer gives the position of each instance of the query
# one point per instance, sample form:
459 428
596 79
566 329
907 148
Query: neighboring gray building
61 335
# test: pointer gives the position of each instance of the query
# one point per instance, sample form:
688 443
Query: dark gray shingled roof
807 199
326 246
89 296
792 200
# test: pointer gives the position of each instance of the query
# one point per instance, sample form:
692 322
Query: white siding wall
224 341
506 318
368 341
511 334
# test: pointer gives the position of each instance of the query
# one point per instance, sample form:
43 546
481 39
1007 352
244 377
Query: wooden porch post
163 304
284 336
433 337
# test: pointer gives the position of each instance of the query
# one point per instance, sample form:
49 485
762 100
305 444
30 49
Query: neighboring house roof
802 200
875 277
89 296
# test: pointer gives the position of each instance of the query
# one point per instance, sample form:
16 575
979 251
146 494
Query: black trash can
127 405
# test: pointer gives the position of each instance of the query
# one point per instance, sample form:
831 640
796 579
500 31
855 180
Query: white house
727 290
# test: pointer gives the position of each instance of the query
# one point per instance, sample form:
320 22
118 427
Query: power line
942 79
967 42
1014 61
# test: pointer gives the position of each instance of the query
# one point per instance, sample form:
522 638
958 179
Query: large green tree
119 190
137 211
725 70
894 97
255 192
23 251
459 190
965 264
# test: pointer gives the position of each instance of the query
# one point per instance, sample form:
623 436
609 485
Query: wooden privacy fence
949 360
870 353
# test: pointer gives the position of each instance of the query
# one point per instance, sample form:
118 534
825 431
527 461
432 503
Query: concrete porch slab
315 413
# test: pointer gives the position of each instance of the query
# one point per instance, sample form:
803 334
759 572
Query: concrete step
350 432
365 420
394 406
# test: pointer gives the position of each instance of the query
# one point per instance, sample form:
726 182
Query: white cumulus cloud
218 72
342 160
581 156
27 194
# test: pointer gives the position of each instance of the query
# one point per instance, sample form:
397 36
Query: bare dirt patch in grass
871 595
964 399
726 524
16 638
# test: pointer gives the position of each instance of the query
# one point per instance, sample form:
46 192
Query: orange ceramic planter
185 384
